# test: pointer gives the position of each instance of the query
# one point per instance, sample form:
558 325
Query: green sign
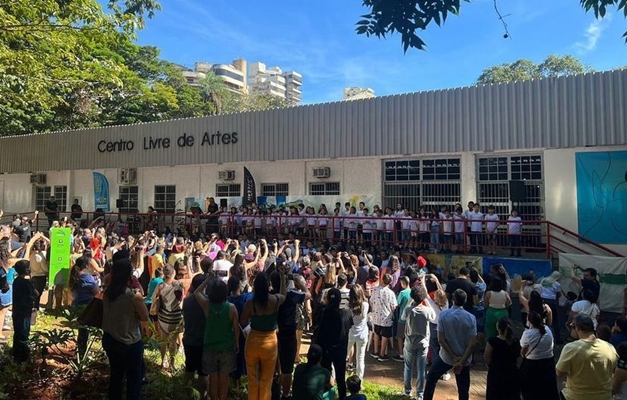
60 251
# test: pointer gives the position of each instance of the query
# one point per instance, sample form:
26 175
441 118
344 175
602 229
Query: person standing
417 318
24 294
51 209
335 325
77 212
588 364
514 232
550 291
501 354
457 333
462 282
476 229
383 301
588 281
496 302
123 313
213 216
537 370
261 344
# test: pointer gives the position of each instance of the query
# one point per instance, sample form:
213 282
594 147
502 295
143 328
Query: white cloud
592 34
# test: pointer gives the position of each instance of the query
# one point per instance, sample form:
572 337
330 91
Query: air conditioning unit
38 179
226 175
127 176
322 172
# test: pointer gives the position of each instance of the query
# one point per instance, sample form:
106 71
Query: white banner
611 275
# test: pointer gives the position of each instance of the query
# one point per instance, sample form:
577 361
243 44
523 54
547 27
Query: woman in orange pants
261 344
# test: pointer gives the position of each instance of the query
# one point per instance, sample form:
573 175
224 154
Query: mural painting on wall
602 196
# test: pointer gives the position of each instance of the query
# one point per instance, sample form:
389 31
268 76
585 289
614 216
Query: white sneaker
445 377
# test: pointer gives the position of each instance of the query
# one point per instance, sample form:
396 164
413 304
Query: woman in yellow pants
261 344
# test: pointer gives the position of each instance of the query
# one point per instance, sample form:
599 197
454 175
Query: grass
55 379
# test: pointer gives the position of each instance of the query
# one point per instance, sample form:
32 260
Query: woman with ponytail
501 354
538 380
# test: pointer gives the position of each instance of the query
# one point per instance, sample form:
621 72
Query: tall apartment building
233 75
240 77
358 93
274 81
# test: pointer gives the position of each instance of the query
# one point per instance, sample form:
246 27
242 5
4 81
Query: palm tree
213 90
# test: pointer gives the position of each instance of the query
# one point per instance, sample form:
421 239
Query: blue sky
318 40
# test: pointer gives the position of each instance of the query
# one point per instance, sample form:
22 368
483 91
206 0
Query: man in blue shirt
457 333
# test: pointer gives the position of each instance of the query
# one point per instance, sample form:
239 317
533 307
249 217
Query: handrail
584 239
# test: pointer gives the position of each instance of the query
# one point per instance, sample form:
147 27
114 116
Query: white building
233 75
358 93
552 139
275 82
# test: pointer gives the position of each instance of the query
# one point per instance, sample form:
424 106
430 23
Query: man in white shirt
476 229
221 266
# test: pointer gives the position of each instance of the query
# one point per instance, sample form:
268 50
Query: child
514 230
353 384
459 228
24 295
402 300
423 229
491 227
447 229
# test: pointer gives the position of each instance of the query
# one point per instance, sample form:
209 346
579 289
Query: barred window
324 188
130 197
228 190
275 189
165 199
60 195
42 194
428 182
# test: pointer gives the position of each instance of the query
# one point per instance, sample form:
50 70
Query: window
165 199
275 189
60 195
422 182
42 194
230 190
324 188
493 185
403 170
130 196
442 169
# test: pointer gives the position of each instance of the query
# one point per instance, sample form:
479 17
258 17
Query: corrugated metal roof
581 110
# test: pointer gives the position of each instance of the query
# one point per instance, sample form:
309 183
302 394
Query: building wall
561 188
575 111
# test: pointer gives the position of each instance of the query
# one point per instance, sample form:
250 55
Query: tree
213 91
409 17
57 60
525 70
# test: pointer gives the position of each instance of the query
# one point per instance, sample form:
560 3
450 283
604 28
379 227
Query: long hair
330 276
536 304
261 289
536 321
356 299
121 273
80 264
504 325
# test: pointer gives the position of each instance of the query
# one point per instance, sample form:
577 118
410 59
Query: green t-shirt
310 382
403 300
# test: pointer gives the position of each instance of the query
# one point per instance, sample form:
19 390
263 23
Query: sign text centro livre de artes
185 140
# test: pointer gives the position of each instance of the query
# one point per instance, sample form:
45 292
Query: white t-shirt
586 308
423 224
514 225
532 337
447 225
476 221
389 223
491 225
367 225
359 330
459 223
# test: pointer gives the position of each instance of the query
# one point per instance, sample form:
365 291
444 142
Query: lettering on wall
156 143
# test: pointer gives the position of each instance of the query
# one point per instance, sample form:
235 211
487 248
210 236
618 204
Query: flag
250 192
101 192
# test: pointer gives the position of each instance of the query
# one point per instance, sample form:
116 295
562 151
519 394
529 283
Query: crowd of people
239 303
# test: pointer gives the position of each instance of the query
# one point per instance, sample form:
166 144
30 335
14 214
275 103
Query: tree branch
502 19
